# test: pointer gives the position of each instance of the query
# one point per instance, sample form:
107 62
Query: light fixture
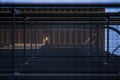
46 39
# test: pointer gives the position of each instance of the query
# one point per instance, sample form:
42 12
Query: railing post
107 57
25 20
97 36
13 41
14 13
107 34
90 34
31 36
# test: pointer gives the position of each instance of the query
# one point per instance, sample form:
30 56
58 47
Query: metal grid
86 60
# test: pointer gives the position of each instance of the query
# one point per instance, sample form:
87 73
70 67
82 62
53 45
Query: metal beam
62 14
59 19
62 5
59 22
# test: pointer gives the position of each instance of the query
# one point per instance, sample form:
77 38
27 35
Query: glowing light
46 38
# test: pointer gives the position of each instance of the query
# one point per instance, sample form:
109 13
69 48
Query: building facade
53 30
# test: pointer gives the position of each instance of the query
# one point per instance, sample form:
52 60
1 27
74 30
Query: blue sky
66 1
60 1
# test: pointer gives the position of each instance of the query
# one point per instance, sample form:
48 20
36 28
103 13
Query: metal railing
79 30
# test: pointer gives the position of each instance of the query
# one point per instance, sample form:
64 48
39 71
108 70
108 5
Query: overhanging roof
62 16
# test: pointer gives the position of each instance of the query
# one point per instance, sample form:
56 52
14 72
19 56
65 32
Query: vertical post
76 36
53 38
35 39
71 35
6 37
80 36
13 41
31 36
107 34
97 43
90 34
25 18
84 34
38 38
64 37
59 36
2 36
19 36
107 39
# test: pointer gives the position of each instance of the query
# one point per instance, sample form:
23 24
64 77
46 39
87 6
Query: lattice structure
57 42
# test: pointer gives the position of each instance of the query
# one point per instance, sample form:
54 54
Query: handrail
61 5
